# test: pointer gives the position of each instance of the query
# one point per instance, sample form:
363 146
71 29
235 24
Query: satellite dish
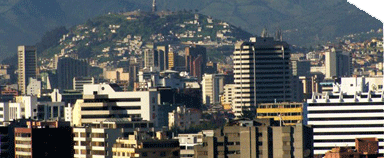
307 153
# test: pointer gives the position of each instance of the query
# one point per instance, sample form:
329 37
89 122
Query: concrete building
27 66
23 107
338 64
103 101
257 138
144 145
34 87
300 67
172 57
163 57
115 75
44 140
68 68
78 82
285 113
228 94
50 111
210 88
262 73
188 142
183 118
339 118
150 56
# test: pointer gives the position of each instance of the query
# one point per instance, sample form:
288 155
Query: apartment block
183 118
258 138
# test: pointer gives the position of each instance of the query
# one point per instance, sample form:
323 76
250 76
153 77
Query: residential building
287 113
34 87
258 138
4 112
23 107
103 101
142 144
115 75
228 94
7 140
27 66
183 118
188 142
262 73
339 118
44 140
68 68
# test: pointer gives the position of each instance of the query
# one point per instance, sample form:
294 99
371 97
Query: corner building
262 73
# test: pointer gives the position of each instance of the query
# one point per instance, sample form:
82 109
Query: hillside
303 21
113 37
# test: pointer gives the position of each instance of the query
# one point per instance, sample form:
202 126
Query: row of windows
346 118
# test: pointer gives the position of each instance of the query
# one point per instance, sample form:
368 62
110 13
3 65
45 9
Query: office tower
27 66
285 113
103 101
68 68
300 67
195 59
211 91
150 56
172 63
163 62
46 139
262 73
257 139
353 110
338 64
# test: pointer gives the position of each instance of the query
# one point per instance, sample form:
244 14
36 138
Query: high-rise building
150 56
172 63
78 82
195 59
163 62
262 73
27 66
210 88
338 64
352 110
68 68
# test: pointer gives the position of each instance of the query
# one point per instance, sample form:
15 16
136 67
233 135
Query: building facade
286 113
27 66
262 73
183 118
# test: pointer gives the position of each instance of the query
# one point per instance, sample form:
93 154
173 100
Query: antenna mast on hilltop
154 6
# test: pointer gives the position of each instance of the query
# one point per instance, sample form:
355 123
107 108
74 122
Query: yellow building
288 113
144 145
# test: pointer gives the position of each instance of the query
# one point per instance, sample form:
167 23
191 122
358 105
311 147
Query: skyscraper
67 69
162 57
337 64
27 66
262 73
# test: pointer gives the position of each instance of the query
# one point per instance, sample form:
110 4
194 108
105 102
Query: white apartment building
34 87
354 110
228 94
23 107
103 101
210 88
183 118
188 141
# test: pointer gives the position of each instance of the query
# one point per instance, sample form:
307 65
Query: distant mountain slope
303 21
